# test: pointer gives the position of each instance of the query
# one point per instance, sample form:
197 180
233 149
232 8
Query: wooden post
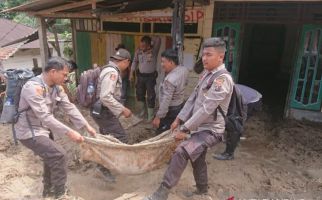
177 28
35 62
43 41
56 40
74 43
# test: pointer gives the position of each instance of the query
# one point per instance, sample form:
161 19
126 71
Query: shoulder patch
113 77
218 83
39 90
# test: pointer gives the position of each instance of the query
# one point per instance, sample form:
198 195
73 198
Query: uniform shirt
249 94
109 89
147 60
197 113
43 100
172 90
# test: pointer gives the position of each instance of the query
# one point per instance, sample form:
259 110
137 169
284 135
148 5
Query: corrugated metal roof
84 9
16 36
40 5
11 31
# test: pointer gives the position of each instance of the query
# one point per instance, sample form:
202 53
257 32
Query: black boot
162 193
231 144
224 156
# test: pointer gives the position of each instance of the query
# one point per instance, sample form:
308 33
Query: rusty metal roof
14 36
11 31
91 8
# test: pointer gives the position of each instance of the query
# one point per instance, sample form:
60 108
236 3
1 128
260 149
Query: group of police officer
191 122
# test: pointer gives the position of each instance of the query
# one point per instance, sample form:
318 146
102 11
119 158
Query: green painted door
84 53
307 85
230 32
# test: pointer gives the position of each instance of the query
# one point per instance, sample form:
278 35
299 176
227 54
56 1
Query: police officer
109 95
39 98
145 59
253 100
199 129
171 91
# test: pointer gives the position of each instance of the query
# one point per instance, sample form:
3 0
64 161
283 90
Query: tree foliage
21 18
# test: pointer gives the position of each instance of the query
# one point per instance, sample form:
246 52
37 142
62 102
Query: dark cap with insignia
122 54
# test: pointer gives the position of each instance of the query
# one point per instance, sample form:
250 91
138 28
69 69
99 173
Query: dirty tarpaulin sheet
129 159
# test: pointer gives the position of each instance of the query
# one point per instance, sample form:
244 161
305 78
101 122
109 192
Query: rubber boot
150 114
162 193
141 109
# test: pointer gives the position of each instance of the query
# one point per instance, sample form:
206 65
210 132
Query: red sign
191 15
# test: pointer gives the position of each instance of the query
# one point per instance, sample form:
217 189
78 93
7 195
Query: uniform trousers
195 150
145 86
54 159
110 125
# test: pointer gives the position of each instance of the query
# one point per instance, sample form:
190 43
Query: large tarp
129 159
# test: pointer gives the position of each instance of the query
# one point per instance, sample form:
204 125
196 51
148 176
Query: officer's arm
168 90
107 90
217 93
33 94
156 45
135 61
71 110
186 111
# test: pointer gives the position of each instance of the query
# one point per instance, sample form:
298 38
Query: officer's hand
156 122
175 124
178 135
131 77
75 136
126 112
91 130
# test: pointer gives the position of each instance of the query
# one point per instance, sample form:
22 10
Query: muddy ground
279 159
276 160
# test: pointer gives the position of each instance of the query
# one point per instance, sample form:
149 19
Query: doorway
266 62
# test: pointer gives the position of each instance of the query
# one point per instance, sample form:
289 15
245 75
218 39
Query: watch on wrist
184 129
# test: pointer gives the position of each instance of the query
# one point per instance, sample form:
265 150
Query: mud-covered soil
276 160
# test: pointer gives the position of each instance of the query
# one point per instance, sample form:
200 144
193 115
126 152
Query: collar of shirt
222 66
115 65
43 81
172 71
208 73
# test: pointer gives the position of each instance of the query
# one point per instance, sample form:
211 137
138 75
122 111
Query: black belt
174 108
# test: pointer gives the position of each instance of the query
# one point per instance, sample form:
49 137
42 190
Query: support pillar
177 28
43 43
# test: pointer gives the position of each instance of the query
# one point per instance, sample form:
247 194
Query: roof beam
69 6
63 15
